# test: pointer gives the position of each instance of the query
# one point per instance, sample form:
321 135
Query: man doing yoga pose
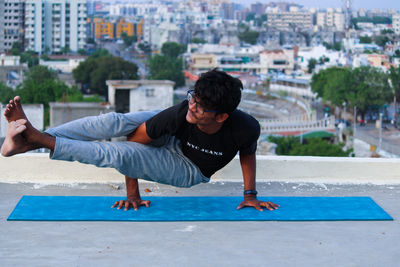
183 145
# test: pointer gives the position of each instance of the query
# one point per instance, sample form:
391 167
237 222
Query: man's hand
131 202
252 201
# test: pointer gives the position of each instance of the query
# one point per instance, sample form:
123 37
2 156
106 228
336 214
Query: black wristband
250 192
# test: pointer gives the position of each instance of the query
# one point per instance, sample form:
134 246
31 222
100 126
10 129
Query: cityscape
303 172
280 51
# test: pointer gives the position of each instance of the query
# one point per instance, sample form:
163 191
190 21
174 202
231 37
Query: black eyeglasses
192 101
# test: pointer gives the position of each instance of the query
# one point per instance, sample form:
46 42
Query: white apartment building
135 9
55 24
396 23
332 18
1 26
293 20
13 26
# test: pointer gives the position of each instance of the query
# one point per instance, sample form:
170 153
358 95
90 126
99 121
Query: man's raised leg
21 136
101 127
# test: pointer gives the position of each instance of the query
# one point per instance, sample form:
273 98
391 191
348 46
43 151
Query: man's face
197 114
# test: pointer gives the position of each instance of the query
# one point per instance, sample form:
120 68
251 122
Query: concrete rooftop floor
341 243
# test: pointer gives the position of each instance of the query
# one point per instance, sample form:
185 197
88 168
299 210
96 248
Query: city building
294 20
396 23
134 9
202 62
227 11
55 25
293 86
129 28
379 61
1 26
257 8
105 29
138 95
101 29
331 18
11 70
61 112
63 65
281 60
165 32
13 26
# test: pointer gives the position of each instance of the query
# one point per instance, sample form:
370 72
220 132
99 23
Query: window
150 92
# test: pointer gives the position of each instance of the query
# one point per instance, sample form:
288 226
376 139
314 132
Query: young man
183 145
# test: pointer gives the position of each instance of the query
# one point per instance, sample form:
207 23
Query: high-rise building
54 25
227 11
257 8
294 20
1 26
13 26
332 18
396 23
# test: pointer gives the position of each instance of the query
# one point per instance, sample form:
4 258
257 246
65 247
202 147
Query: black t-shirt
210 152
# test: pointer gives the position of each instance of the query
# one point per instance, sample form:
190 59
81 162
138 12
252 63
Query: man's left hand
257 204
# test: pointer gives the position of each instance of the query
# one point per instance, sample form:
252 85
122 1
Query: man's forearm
248 164
132 188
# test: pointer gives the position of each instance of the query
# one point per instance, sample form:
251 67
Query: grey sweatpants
161 161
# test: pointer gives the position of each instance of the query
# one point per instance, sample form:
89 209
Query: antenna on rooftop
347 10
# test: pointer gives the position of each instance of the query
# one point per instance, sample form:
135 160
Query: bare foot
22 140
14 142
14 110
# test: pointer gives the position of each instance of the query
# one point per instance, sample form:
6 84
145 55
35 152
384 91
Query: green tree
365 39
100 53
41 86
250 16
368 87
166 68
312 147
16 49
374 20
319 147
172 49
47 50
6 93
97 69
387 31
198 41
381 40
128 40
30 57
311 65
362 87
337 46
248 36
332 84
327 45
145 47
394 78
65 50
82 52
323 59
284 144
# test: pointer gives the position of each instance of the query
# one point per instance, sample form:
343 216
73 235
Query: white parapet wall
38 168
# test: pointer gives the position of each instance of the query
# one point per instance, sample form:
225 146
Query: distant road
390 137
116 50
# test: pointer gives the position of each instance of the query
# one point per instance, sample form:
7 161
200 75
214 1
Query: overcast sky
368 4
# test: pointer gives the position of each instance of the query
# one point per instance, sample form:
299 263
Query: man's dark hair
217 90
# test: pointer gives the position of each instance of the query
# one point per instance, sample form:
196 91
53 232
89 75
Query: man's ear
221 117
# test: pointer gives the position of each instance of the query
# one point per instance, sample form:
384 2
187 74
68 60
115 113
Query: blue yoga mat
95 208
